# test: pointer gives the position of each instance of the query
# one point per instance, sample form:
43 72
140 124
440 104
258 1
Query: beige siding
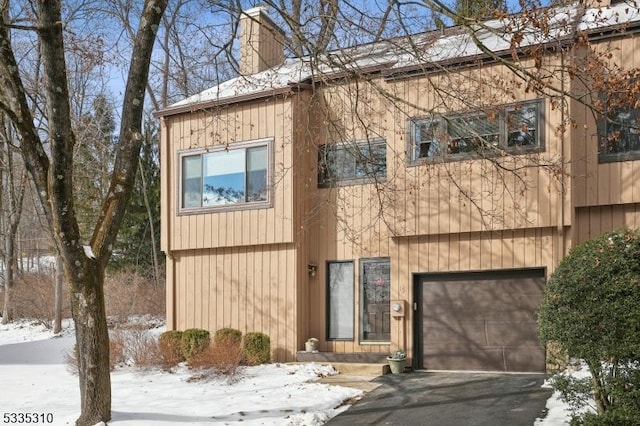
437 253
240 227
332 239
463 252
248 269
248 288
599 184
594 221
454 196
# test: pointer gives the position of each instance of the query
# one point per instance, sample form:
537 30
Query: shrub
141 348
130 293
223 358
170 345
117 349
194 341
608 418
590 310
229 335
256 348
116 354
33 298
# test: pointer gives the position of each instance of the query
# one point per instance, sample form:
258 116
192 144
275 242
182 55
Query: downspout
561 212
562 244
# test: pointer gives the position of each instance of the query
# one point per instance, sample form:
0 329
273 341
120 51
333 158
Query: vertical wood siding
597 220
248 288
226 125
603 183
473 251
248 268
440 197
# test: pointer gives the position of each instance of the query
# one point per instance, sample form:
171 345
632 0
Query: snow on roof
611 16
291 71
496 35
430 47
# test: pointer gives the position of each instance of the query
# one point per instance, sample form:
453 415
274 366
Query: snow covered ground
35 379
558 412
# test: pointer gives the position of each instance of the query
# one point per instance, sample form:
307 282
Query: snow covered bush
591 310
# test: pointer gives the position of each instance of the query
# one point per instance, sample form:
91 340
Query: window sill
615 158
224 209
352 182
452 158
368 343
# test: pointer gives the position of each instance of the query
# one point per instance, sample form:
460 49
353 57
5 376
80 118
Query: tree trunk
52 171
11 214
92 338
59 275
7 309
599 392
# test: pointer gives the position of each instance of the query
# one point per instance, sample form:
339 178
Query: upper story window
236 175
619 128
352 162
458 136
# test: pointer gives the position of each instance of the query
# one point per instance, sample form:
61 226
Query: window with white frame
235 175
340 298
460 135
352 162
619 128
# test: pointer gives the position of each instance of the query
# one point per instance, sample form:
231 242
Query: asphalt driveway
450 399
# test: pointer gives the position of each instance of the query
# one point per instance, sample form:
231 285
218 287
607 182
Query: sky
35 379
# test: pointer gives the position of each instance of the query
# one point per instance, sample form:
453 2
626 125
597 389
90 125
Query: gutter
199 106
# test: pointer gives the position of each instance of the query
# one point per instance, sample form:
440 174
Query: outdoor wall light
312 268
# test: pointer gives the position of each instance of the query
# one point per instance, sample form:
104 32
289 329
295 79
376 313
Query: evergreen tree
135 245
476 9
93 154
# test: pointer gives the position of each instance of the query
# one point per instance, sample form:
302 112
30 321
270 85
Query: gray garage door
480 321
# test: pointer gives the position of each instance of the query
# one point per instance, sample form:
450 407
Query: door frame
361 319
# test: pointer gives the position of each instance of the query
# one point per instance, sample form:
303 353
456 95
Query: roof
400 53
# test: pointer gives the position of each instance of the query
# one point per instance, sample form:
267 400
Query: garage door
480 321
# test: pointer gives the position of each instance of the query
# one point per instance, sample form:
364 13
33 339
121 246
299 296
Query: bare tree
51 168
354 56
14 182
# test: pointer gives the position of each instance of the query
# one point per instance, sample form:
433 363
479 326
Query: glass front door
375 297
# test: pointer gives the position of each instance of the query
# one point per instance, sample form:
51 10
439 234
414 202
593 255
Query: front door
375 298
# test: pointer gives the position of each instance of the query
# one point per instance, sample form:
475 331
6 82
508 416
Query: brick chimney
261 41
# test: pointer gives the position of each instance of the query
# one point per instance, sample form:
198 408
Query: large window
375 276
236 175
619 129
509 128
340 294
352 162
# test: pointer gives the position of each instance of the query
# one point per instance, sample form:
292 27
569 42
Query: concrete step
365 383
359 368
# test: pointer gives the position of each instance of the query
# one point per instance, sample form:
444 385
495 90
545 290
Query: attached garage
482 321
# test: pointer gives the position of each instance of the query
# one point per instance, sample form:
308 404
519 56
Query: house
391 198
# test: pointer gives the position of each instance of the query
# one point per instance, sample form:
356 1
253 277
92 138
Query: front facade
408 206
